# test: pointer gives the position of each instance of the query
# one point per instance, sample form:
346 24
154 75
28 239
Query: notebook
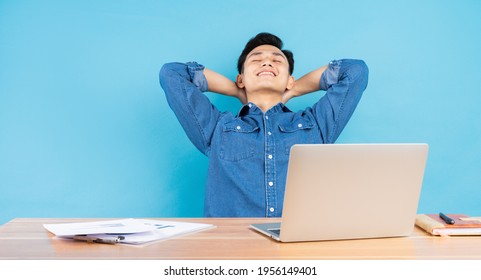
350 191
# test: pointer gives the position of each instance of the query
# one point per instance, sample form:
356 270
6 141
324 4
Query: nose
267 63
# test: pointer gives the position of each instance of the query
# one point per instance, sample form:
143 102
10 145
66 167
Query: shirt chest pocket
238 141
298 131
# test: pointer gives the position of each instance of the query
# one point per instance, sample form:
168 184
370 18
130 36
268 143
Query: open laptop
350 191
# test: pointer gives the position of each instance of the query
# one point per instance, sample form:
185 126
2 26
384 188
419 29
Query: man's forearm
306 84
220 84
309 82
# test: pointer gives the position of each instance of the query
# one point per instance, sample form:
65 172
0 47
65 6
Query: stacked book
459 224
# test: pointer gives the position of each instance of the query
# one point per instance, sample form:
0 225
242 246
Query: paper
112 227
133 231
161 230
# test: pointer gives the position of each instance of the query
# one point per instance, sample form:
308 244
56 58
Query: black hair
260 39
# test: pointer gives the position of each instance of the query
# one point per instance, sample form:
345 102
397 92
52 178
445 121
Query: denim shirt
248 152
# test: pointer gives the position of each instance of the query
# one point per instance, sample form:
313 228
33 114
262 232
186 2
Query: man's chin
266 91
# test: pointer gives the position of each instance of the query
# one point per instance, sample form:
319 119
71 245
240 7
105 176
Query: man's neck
264 101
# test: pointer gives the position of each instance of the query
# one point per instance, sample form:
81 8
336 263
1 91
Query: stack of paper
127 231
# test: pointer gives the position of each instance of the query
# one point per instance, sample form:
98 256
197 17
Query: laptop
350 191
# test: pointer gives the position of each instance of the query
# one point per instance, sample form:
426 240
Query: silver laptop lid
350 191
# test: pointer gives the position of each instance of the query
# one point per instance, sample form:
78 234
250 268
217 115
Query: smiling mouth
266 73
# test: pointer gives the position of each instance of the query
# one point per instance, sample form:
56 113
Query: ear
239 81
290 83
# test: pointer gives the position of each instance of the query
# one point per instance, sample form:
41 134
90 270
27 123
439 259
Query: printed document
132 231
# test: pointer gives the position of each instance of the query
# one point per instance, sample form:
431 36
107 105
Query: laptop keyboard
275 231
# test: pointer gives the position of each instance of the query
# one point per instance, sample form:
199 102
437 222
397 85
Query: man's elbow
165 71
359 72
359 66
364 72
170 70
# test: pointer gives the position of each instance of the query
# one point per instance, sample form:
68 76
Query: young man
248 152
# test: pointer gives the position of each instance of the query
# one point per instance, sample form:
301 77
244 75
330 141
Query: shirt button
269 133
299 125
271 209
250 105
267 117
271 184
269 156
238 127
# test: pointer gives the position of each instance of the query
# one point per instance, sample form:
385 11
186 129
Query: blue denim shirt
248 152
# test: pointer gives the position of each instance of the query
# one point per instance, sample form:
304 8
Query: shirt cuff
197 76
331 75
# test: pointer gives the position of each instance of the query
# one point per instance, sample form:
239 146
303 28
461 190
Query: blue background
85 130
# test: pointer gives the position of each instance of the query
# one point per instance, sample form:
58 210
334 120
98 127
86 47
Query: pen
446 219
93 239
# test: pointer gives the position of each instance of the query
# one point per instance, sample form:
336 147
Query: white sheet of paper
161 230
123 226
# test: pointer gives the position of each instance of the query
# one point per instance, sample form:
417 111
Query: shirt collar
251 108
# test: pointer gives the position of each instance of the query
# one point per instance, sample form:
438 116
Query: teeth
265 73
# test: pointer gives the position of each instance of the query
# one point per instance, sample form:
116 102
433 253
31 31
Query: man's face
265 69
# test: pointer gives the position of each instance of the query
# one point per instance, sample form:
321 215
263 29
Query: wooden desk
231 239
